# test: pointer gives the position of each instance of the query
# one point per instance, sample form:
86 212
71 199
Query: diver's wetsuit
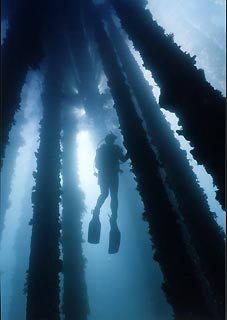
107 162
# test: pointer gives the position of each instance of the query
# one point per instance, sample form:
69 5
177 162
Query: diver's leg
114 195
104 194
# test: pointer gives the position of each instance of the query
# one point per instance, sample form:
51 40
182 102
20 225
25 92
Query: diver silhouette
107 161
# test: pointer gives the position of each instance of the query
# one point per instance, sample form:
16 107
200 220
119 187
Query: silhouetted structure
21 50
180 176
184 89
165 229
80 42
45 263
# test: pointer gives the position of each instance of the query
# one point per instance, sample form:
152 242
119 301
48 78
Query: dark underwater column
22 49
84 56
45 263
75 300
181 283
184 89
206 236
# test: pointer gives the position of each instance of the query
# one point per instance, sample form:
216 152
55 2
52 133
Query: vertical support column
182 285
184 89
44 265
21 50
205 234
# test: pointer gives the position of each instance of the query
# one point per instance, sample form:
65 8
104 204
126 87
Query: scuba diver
107 161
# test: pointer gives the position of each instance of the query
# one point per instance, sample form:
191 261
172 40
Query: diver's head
110 138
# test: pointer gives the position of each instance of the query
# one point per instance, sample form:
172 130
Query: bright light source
85 157
79 112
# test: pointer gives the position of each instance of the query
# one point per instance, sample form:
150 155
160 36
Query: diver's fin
94 230
114 237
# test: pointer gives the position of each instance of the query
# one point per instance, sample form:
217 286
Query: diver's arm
122 157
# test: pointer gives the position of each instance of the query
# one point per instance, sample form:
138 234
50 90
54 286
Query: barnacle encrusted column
45 263
184 89
206 236
182 285
22 49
